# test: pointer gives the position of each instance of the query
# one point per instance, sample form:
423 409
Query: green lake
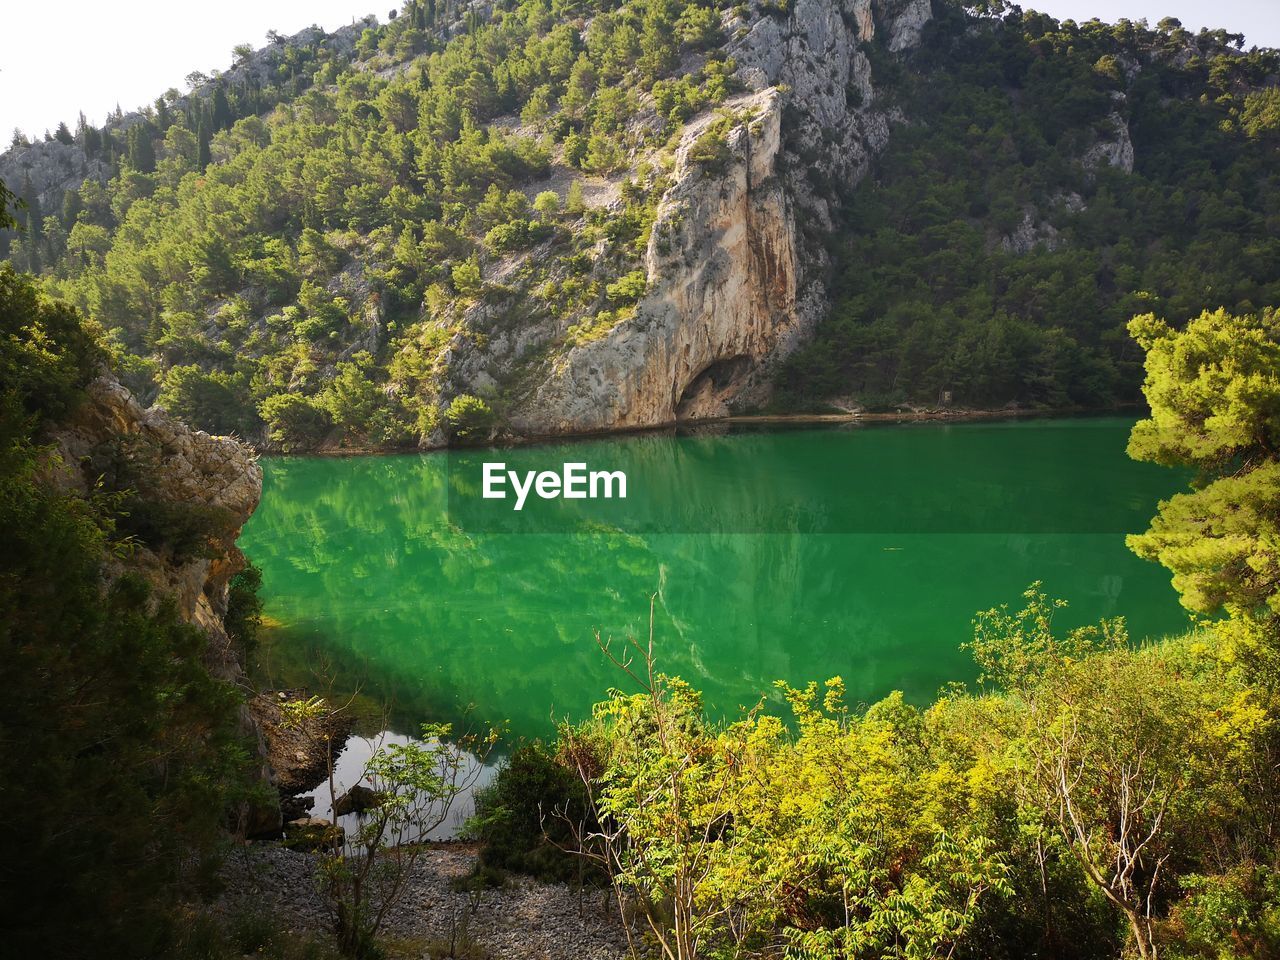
797 554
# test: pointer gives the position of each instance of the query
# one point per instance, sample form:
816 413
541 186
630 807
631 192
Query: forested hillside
547 216
1056 180
444 224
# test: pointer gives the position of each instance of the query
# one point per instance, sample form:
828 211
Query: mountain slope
1060 179
547 218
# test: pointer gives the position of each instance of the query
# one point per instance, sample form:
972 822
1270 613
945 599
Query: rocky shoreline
833 418
298 753
524 920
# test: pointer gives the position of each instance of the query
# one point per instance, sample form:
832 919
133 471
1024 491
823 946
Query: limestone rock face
183 466
1029 234
721 264
734 285
45 170
904 20
217 476
1114 152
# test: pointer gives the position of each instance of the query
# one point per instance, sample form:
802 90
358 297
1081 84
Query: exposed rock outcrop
215 478
904 20
46 169
1030 233
359 800
183 467
298 752
733 284
1117 149
722 265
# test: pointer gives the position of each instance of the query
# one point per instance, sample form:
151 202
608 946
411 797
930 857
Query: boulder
295 808
358 800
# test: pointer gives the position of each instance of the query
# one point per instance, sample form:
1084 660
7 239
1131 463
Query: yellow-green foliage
1214 392
597 326
468 416
711 149
1260 115
1082 791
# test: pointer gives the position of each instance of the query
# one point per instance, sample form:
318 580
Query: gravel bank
522 921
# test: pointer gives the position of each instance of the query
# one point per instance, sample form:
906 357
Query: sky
90 56
1258 20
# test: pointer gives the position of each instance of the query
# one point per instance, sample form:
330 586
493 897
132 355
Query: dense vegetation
1092 798
991 255
289 251
306 266
294 256
120 755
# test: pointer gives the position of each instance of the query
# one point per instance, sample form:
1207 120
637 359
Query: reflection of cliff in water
363 565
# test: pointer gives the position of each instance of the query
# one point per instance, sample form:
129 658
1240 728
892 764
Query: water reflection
348 771
365 565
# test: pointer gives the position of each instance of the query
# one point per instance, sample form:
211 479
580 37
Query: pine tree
71 207
142 152
34 220
203 156
574 202
88 137
63 134
222 117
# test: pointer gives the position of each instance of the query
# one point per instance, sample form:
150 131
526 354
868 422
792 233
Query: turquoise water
794 555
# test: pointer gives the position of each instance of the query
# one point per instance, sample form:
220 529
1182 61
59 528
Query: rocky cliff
733 283
733 270
174 470
216 476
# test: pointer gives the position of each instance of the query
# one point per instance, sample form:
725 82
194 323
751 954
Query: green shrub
214 401
519 818
597 326
629 288
294 421
467 278
711 149
467 416
48 356
244 610
506 237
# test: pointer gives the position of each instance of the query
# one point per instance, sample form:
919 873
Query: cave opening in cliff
709 393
